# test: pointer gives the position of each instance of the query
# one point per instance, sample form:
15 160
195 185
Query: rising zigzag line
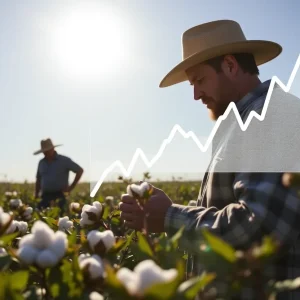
190 134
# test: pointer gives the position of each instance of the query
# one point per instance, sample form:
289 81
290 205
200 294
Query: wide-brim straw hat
217 38
46 145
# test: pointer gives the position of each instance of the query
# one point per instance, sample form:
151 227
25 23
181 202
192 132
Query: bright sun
90 44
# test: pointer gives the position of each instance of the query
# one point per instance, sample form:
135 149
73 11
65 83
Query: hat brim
41 151
263 52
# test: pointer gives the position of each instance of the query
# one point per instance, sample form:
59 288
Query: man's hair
245 60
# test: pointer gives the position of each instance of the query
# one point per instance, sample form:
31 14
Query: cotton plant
91 214
64 224
42 247
146 274
101 242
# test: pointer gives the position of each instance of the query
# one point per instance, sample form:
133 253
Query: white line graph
190 134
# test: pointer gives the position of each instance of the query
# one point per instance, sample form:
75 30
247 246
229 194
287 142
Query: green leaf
114 285
52 223
176 237
267 248
72 238
144 245
189 289
6 239
219 246
5 261
106 213
18 280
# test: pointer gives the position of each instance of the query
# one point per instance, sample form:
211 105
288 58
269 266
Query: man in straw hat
52 177
241 208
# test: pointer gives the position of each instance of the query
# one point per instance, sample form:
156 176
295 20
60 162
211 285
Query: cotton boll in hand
142 190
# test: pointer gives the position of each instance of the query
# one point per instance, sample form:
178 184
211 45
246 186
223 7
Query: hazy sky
86 74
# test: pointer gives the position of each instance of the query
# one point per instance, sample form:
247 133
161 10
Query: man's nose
198 94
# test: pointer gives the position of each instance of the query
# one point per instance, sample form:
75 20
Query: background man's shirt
54 175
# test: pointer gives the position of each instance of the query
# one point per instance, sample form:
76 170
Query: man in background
52 177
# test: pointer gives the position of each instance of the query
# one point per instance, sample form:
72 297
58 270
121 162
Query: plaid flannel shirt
241 208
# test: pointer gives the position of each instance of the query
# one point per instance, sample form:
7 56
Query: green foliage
67 280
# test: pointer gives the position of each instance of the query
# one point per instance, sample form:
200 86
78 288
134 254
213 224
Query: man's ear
230 66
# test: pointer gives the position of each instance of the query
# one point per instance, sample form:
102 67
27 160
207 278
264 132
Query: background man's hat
213 39
45 146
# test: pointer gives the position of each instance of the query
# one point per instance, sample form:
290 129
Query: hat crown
46 144
209 35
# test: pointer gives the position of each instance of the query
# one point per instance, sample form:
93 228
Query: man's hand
155 210
131 212
68 189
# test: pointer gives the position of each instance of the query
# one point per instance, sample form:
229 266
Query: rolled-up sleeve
262 206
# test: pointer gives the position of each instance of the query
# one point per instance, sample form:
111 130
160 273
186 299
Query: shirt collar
55 157
252 95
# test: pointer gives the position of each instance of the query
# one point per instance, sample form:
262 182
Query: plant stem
45 286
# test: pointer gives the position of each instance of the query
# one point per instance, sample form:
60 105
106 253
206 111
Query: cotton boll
59 244
107 237
138 189
46 258
90 208
27 240
12 227
74 206
150 273
192 203
43 235
22 227
28 212
98 206
4 217
27 254
95 296
64 223
129 279
95 266
85 220
82 256
15 203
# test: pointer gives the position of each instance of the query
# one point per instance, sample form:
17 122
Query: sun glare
90 44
